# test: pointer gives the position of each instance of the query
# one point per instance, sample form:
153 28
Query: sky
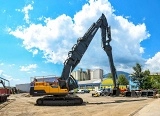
36 36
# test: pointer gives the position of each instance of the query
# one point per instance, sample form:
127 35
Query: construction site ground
24 105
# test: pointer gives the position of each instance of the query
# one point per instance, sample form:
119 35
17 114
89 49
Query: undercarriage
69 100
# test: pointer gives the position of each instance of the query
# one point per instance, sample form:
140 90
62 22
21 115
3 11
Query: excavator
59 94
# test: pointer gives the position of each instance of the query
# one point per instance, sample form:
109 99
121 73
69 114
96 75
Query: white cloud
1 64
7 77
40 18
25 10
19 10
58 35
153 64
34 51
10 78
11 65
28 68
54 38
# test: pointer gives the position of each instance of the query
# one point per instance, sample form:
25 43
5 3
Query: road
23 105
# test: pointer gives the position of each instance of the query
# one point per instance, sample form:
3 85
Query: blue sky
35 36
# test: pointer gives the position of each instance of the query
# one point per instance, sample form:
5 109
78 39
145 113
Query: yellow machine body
46 88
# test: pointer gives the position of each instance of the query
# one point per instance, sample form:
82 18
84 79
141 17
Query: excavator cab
70 84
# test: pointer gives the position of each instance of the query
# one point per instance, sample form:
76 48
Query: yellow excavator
59 94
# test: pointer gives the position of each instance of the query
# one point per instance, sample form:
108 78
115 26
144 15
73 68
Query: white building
81 75
23 87
96 74
88 74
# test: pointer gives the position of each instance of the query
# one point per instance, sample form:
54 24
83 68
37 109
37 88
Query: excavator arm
108 49
74 56
67 81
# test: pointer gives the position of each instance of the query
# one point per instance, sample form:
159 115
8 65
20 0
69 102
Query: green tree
143 79
155 80
137 76
109 75
122 80
147 84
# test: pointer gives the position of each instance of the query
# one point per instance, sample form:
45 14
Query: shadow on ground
117 101
98 103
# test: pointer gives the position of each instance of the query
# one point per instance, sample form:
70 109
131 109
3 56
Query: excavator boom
78 50
67 82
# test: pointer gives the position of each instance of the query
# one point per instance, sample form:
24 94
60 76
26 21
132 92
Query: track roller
39 101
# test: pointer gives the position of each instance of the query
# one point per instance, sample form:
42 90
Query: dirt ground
23 105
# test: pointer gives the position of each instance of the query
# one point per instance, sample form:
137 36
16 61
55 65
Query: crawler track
59 101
